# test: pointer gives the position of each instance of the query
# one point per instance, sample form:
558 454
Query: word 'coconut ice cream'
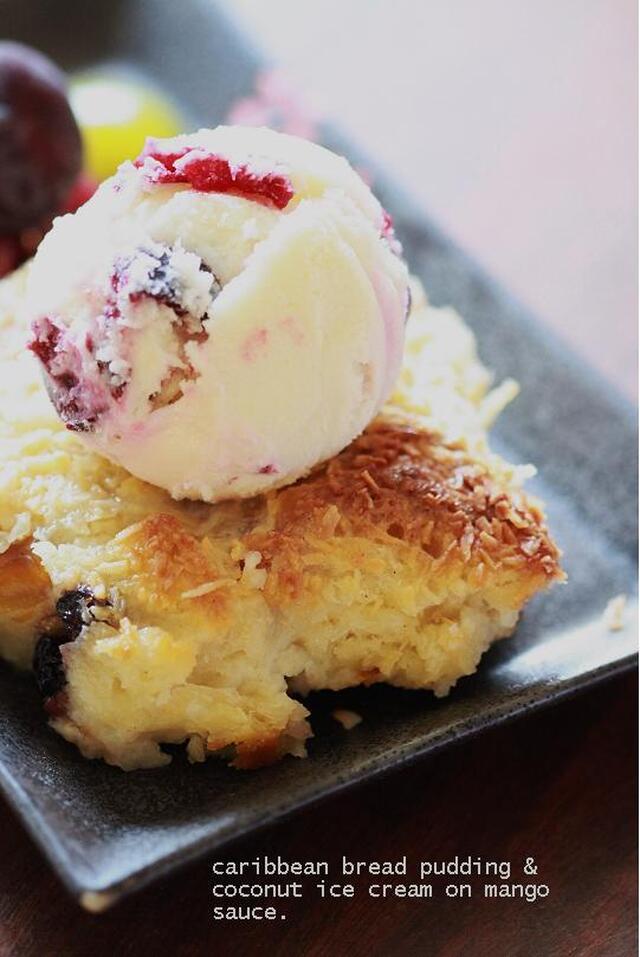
225 313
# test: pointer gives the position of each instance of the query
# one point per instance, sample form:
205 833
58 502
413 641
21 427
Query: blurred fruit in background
115 115
40 152
40 145
54 150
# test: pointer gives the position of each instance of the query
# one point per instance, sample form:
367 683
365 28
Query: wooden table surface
560 786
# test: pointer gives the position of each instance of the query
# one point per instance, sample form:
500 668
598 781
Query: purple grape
40 143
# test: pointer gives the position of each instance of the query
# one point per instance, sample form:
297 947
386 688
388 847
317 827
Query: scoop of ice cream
225 313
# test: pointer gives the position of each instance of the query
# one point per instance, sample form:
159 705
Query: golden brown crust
398 482
258 753
25 587
173 562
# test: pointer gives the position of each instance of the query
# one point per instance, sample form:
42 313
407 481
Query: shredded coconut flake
614 614
253 576
207 587
348 719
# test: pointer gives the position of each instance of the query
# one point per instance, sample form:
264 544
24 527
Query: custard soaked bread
150 620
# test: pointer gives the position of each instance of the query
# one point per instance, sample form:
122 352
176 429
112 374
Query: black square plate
107 832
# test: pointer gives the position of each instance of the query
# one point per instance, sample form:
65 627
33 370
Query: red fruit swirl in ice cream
210 173
78 403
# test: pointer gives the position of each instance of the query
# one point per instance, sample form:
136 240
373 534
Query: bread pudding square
151 621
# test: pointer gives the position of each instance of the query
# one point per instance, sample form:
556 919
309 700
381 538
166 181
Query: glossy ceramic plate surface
107 832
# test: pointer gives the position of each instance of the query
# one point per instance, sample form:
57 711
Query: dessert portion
150 621
224 314
221 486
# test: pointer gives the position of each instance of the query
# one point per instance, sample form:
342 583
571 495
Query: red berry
10 254
40 144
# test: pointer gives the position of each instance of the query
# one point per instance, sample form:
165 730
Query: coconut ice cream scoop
225 313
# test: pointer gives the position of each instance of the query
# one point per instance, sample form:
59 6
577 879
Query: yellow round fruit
115 116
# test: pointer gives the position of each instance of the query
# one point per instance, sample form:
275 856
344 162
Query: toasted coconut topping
398 481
